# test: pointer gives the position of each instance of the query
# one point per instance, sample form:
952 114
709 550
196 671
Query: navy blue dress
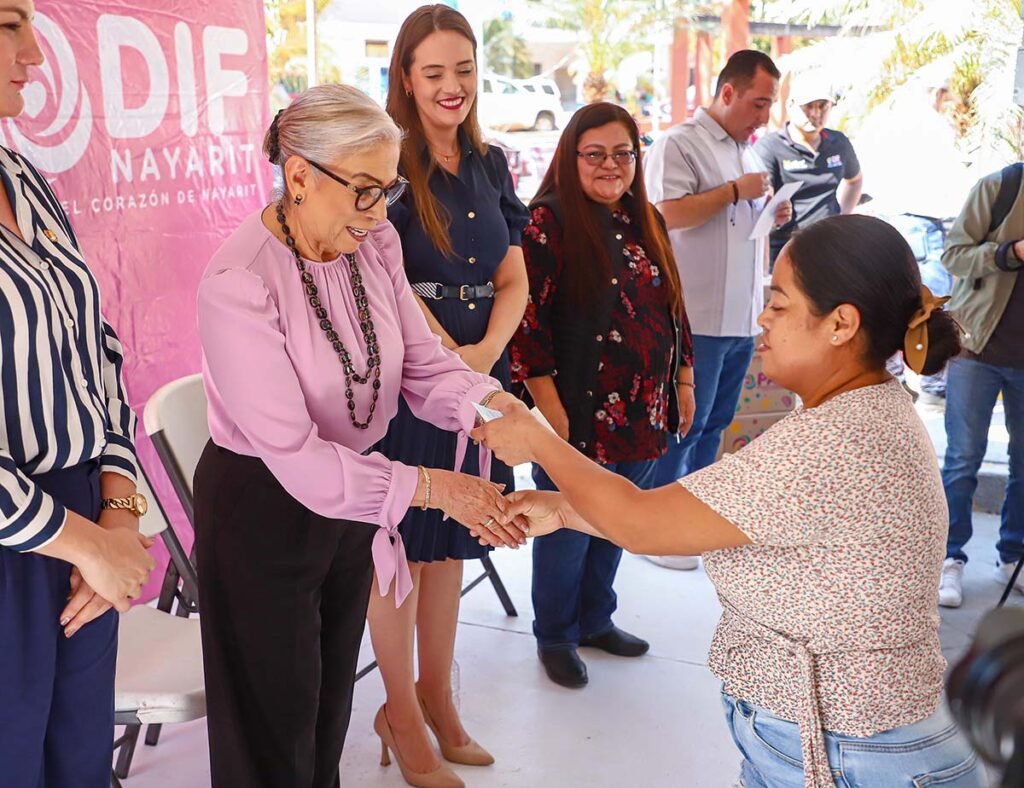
486 218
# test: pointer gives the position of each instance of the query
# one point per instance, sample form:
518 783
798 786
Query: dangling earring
298 199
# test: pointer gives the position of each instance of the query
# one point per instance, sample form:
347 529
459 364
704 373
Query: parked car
504 103
544 86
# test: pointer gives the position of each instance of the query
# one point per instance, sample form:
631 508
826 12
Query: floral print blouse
830 615
635 378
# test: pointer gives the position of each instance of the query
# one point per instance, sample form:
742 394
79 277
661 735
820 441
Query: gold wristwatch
136 504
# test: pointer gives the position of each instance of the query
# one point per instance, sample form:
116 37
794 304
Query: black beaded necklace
372 374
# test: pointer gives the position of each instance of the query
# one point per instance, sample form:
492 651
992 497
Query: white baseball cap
809 87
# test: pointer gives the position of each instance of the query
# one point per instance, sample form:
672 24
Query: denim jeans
971 392
573 574
931 752
720 367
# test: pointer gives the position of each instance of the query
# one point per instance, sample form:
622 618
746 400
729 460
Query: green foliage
286 45
906 59
972 43
610 30
506 52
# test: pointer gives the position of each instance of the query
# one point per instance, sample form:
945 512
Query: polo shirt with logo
820 173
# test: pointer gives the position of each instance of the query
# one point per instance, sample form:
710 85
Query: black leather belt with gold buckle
436 291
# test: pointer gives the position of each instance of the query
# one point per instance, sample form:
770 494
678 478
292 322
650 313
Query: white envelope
767 218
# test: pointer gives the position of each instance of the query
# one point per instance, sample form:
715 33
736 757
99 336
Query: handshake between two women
591 498
514 439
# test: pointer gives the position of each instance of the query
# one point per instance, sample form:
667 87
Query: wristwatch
136 504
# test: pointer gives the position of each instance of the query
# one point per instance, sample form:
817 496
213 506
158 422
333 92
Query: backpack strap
1009 188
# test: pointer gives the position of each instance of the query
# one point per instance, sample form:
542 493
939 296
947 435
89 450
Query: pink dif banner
149 123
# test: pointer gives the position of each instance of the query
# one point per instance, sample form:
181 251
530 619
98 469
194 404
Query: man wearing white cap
821 159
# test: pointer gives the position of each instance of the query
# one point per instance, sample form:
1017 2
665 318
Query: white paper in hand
487 414
766 220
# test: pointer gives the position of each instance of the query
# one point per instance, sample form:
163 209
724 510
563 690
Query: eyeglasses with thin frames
368 196
597 158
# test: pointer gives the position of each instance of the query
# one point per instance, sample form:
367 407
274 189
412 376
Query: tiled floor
652 722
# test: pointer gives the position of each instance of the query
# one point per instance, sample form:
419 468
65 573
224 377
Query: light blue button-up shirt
721 269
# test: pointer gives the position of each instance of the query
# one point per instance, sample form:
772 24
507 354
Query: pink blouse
276 388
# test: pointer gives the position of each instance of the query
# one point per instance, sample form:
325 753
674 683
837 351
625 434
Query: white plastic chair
175 418
159 675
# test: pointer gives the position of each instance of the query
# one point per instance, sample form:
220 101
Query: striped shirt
63 398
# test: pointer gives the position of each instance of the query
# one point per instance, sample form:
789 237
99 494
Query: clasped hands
109 573
513 439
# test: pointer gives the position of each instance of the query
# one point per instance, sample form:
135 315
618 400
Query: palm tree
506 52
609 30
968 44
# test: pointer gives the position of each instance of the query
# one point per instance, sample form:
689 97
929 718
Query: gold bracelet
426 488
486 400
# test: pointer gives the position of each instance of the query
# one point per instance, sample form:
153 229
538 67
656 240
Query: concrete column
781 45
679 76
736 26
312 75
702 74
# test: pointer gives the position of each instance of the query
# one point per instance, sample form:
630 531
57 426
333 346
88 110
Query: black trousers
282 596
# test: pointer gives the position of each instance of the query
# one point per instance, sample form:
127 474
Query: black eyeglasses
596 158
368 196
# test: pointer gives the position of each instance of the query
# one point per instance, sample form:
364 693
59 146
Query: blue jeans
971 391
573 574
931 752
720 367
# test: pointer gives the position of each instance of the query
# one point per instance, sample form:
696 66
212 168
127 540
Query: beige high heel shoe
441 777
471 754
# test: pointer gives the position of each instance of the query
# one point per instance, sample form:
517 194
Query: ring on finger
489 525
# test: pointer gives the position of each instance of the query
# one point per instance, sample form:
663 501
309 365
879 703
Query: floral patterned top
631 400
830 616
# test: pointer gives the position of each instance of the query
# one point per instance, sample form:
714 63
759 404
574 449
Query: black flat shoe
564 667
617 642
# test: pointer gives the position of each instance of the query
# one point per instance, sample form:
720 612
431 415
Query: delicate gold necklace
446 156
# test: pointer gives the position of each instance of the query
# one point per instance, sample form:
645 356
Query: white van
504 103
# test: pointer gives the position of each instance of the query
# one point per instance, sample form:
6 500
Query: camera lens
986 688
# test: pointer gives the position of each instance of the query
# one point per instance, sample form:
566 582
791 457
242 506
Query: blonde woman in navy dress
460 225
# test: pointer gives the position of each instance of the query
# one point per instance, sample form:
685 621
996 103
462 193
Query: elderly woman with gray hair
310 332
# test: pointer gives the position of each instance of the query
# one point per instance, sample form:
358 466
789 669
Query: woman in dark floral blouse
604 351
